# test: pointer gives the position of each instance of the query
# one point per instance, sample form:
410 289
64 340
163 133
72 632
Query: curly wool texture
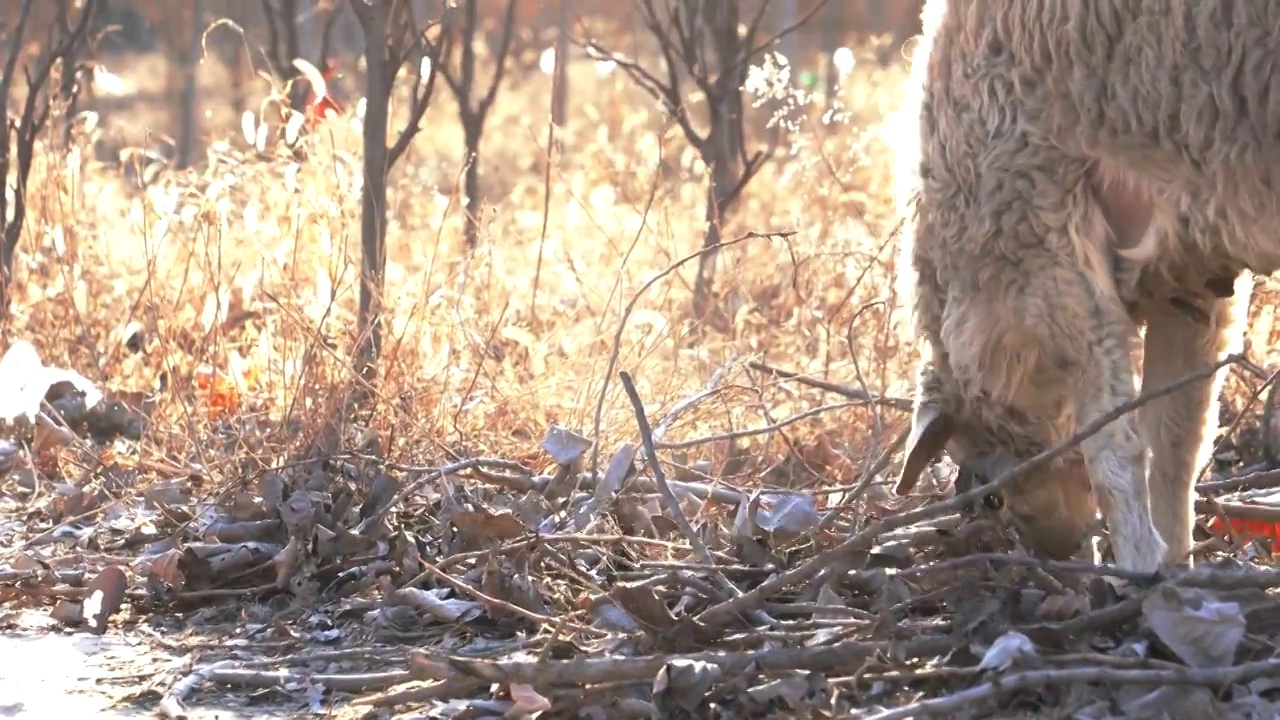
1080 165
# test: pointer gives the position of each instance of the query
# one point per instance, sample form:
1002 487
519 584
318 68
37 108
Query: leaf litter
488 587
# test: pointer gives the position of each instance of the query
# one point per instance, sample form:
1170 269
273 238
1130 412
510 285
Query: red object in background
1249 528
320 108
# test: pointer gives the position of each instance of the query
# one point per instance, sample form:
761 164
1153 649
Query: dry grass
248 267
230 291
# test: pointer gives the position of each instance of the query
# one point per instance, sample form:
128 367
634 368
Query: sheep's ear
931 428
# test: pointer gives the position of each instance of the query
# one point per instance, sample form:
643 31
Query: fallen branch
1239 511
822 563
765 429
230 672
686 404
490 602
430 475
844 390
583 671
1207 677
673 503
1265 480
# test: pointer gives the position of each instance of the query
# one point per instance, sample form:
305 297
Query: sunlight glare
844 61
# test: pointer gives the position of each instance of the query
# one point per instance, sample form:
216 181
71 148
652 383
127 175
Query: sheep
1082 171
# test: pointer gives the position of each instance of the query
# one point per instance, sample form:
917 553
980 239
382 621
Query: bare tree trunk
724 140
832 34
67 88
189 121
233 9
373 201
308 30
785 14
473 103
560 81
19 130
385 52
472 131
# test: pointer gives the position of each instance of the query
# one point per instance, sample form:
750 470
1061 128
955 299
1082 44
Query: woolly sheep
1084 170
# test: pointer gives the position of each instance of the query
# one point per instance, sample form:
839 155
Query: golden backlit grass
247 267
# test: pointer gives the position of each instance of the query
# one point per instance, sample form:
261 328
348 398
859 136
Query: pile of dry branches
650 588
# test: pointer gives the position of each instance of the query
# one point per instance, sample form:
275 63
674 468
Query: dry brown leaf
1063 606
286 562
106 593
67 612
564 445
644 606
165 567
684 683
483 524
621 466
271 487
527 703
447 610
49 435
784 515
1202 630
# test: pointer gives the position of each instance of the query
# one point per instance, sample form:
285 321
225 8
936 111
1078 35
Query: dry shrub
238 280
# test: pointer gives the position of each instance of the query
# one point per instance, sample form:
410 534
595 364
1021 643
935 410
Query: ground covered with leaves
563 500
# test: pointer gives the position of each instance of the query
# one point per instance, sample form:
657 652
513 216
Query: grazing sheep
1085 169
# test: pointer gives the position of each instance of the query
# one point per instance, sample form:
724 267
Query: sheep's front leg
1117 456
1179 427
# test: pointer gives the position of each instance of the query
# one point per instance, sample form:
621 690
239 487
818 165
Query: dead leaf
67 612
621 466
49 435
527 701
606 615
1007 648
448 610
1198 628
683 683
483 524
1175 702
106 593
286 562
564 445
167 567
271 488
785 514
644 606
1063 606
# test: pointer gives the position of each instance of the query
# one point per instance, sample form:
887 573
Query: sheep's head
1052 508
